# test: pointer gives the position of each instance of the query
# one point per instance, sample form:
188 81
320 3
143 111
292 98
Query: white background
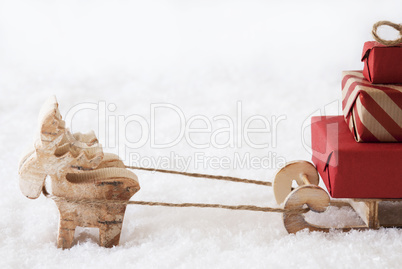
275 57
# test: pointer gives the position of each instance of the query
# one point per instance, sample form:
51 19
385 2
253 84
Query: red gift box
354 170
382 64
372 112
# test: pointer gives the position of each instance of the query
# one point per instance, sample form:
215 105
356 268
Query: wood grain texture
367 211
78 169
312 196
309 195
302 172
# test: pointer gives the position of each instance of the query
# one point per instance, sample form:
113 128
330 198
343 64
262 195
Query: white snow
278 59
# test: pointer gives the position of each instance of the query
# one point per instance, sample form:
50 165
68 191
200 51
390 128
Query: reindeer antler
83 155
51 125
65 151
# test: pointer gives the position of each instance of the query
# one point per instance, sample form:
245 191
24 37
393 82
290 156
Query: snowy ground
277 59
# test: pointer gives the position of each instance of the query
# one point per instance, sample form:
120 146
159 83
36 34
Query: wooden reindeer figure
79 170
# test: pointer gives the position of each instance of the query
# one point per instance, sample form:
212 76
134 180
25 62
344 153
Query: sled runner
375 213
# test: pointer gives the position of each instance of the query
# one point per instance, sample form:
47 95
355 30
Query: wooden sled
92 188
375 213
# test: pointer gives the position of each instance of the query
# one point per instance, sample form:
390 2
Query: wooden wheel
315 198
302 171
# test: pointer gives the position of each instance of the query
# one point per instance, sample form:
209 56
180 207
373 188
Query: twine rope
227 178
199 205
121 202
397 27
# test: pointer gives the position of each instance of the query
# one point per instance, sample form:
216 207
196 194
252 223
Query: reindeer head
57 152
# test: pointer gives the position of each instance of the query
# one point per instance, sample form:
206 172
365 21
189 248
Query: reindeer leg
109 233
110 226
66 232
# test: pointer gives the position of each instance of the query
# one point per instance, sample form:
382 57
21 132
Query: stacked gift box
359 154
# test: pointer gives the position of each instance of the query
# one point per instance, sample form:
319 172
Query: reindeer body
79 170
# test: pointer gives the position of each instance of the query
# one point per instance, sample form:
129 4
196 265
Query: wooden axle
303 172
305 179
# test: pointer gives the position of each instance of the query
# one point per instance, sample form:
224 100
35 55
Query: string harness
199 205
